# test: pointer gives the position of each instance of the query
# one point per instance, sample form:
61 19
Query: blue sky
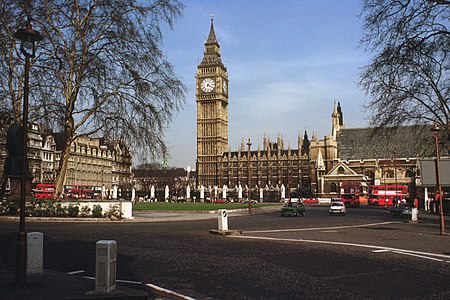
287 62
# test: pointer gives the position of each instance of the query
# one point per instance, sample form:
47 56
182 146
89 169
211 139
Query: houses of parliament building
363 155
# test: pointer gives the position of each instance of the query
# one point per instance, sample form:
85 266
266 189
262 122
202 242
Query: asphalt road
366 254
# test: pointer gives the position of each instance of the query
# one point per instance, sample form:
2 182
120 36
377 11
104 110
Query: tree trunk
62 169
3 182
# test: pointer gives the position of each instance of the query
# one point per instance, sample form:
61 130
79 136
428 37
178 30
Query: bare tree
408 77
100 71
11 76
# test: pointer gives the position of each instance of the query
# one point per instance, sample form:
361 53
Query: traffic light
14 144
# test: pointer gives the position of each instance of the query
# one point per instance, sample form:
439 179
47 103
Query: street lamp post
435 130
395 174
249 178
28 38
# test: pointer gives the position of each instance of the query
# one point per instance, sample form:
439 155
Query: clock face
225 87
207 85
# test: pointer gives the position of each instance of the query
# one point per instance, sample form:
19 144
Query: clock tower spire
212 111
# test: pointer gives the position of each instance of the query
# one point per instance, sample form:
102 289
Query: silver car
337 208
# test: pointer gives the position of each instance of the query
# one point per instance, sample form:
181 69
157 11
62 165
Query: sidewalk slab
57 285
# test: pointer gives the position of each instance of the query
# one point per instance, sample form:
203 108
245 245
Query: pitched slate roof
369 143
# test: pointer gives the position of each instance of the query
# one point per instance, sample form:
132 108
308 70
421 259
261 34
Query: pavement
57 285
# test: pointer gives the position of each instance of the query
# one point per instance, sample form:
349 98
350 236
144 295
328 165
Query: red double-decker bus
44 191
350 193
78 192
385 195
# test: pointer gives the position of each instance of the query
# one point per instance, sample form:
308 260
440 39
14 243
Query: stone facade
212 111
105 165
269 168
92 162
369 156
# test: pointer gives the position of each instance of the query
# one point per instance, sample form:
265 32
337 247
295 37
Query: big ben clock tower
212 111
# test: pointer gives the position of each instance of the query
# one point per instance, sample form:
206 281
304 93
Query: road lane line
341 244
117 280
381 250
416 255
160 289
128 281
152 286
321 228
75 272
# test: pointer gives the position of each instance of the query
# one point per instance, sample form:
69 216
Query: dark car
293 209
401 210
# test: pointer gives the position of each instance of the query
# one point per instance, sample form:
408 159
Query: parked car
293 209
310 201
337 208
245 201
402 210
221 201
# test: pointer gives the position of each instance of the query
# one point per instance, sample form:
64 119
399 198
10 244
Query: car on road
402 210
293 209
337 208
245 201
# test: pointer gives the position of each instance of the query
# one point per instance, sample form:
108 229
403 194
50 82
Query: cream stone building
93 162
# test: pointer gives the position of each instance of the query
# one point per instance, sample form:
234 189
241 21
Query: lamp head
28 38
435 130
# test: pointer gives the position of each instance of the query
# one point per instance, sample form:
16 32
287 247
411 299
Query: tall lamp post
249 178
28 38
435 130
395 175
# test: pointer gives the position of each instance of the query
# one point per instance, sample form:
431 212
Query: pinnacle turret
211 56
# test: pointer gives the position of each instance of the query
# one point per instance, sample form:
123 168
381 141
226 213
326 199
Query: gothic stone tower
212 111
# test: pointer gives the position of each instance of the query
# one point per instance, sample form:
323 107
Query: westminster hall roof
370 143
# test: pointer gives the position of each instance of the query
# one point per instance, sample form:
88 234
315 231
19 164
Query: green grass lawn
191 206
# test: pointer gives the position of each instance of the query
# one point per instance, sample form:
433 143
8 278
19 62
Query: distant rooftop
364 143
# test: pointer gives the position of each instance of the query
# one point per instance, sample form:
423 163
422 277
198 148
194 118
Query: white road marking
117 280
403 251
379 251
75 272
168 291
152 286
88 277
129 281
321 228
415 255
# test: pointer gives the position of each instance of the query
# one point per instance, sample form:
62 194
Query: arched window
389 174
333 187
410 173
341 170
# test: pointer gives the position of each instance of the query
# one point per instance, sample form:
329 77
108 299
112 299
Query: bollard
223 220
414 214
105 266
35 252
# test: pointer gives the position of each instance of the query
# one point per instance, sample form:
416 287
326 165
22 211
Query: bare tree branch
408 78
100 70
